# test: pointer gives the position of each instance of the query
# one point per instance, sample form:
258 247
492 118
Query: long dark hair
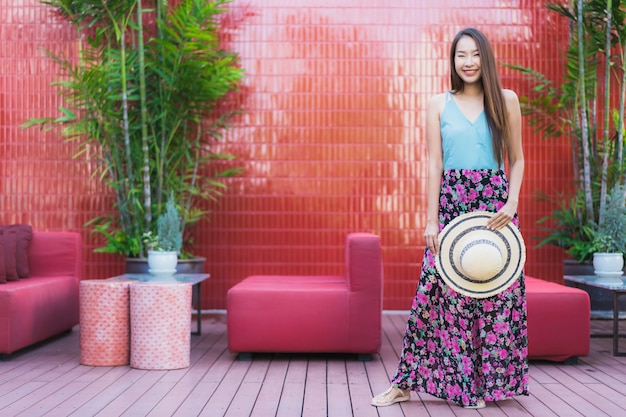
495 105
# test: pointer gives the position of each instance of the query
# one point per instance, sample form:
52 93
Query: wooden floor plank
51 392
48 380
195 390
532 406
246 396
292 396
315 388
146 403
17 399
378 379
185 385
559 406
244 401
578 399
228 386
48 406
608 394
269 397
109 393
514 407
583 392
360 393
197 400
127 398
338 393
90 392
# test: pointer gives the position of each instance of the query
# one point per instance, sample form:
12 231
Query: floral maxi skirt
456 347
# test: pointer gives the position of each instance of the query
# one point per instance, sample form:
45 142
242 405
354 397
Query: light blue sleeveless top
465 144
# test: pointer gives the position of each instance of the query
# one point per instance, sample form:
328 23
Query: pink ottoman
104 323
558 321
160 323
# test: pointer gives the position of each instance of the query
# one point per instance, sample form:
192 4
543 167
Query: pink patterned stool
160 323
104 323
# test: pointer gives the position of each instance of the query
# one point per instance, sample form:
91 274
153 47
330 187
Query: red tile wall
332 139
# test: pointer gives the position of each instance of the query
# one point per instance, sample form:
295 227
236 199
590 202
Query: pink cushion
16 241
3 274
9 239
24 237
558 320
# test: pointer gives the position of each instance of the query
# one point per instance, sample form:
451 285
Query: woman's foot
391 396
479 404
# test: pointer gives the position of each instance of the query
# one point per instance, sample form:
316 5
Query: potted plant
164 248
148 90
609 236
587 108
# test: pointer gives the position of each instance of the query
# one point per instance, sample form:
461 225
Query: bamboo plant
587 107
146 91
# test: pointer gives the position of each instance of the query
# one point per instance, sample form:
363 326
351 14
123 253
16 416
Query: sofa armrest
55 253
363 262
365 276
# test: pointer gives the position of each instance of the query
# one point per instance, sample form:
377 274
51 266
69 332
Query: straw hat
476 261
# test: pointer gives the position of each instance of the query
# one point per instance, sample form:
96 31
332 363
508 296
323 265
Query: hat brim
509 240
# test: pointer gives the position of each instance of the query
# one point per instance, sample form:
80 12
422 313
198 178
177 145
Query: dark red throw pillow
24 236
9 238
3 275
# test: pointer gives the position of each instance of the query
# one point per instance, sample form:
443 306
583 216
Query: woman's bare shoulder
510 95
511 101
437 101
437 98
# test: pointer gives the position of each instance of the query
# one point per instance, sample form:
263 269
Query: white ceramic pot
162 263
608 264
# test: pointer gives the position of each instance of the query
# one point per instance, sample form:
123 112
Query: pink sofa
558 321
46 303
339 313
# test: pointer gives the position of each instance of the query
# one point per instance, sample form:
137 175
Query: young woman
462 349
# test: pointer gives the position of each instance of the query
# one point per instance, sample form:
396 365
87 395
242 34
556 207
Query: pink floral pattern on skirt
456 347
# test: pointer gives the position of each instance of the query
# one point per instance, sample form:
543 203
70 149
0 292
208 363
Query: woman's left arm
516 161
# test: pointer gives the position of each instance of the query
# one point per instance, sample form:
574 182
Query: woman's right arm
435 170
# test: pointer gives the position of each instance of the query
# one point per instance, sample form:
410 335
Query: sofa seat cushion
264 310
558 320
35 309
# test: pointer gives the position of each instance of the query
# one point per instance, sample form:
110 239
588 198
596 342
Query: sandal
391 396
479 405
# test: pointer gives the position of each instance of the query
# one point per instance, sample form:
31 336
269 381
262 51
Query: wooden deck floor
48 380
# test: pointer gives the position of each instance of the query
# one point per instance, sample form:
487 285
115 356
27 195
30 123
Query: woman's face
467 60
